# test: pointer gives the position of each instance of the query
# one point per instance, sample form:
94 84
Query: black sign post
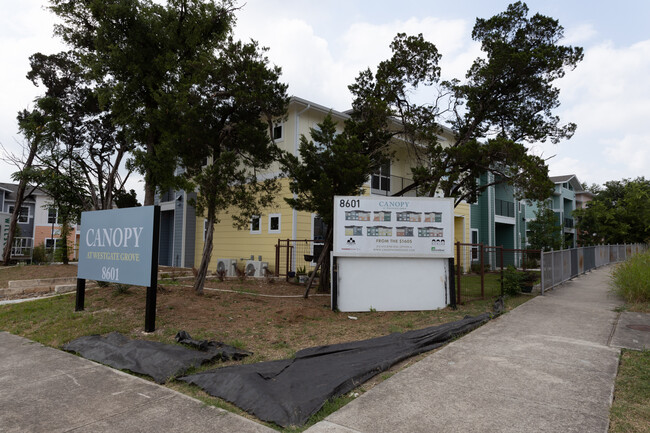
152 290
81 294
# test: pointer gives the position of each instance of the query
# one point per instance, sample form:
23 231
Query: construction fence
563 265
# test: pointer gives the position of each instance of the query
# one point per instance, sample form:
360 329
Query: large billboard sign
117 245
393 227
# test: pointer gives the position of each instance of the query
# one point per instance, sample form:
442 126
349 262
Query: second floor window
381 180
52 216
23 217
278 131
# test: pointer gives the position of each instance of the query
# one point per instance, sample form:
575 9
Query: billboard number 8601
355 203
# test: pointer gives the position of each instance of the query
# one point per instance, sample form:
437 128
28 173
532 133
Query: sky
321 47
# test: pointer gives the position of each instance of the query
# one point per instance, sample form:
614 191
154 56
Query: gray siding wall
190 232
166 235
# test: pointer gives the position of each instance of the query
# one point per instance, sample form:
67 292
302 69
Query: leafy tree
137 52
126 199
330 164
224 112
507 99
78 130
619 213
544 232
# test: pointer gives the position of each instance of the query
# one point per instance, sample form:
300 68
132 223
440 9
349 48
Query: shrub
121 289
631 278
512 280
39 255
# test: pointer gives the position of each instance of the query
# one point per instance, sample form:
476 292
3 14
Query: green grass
470 285
630 411
631 279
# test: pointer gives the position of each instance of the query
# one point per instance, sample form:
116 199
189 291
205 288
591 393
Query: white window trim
474 249
279 217
259 230
56 216
18 220
60 240
279 123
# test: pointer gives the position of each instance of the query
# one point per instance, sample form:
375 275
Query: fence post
482 270
552 267
501 258
458 298
288 264
541 269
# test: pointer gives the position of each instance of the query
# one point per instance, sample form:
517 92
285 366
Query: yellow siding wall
231 243
462 230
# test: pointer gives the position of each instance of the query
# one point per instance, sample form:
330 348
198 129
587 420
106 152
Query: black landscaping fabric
158 360
287 392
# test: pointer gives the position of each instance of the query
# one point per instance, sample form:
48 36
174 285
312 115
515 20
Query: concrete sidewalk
47 390
544 367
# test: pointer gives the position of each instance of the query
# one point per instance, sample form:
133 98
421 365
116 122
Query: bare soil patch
31 272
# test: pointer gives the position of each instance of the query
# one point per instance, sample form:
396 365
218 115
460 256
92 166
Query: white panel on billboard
393 227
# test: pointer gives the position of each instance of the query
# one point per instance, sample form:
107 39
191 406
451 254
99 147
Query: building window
53 244
319 229
274 223
380 181
278 131
474 234
53 216
256 227
23 216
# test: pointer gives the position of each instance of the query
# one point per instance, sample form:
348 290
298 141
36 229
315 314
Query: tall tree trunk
149 184
325 253
202 273
20 192
64 232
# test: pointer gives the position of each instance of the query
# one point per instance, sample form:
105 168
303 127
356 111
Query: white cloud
321 71
632 151
579 35
608 97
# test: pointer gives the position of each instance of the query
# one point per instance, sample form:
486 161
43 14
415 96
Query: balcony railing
504 208
22 247
389 185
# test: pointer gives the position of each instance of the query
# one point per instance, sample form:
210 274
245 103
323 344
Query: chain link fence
563 265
